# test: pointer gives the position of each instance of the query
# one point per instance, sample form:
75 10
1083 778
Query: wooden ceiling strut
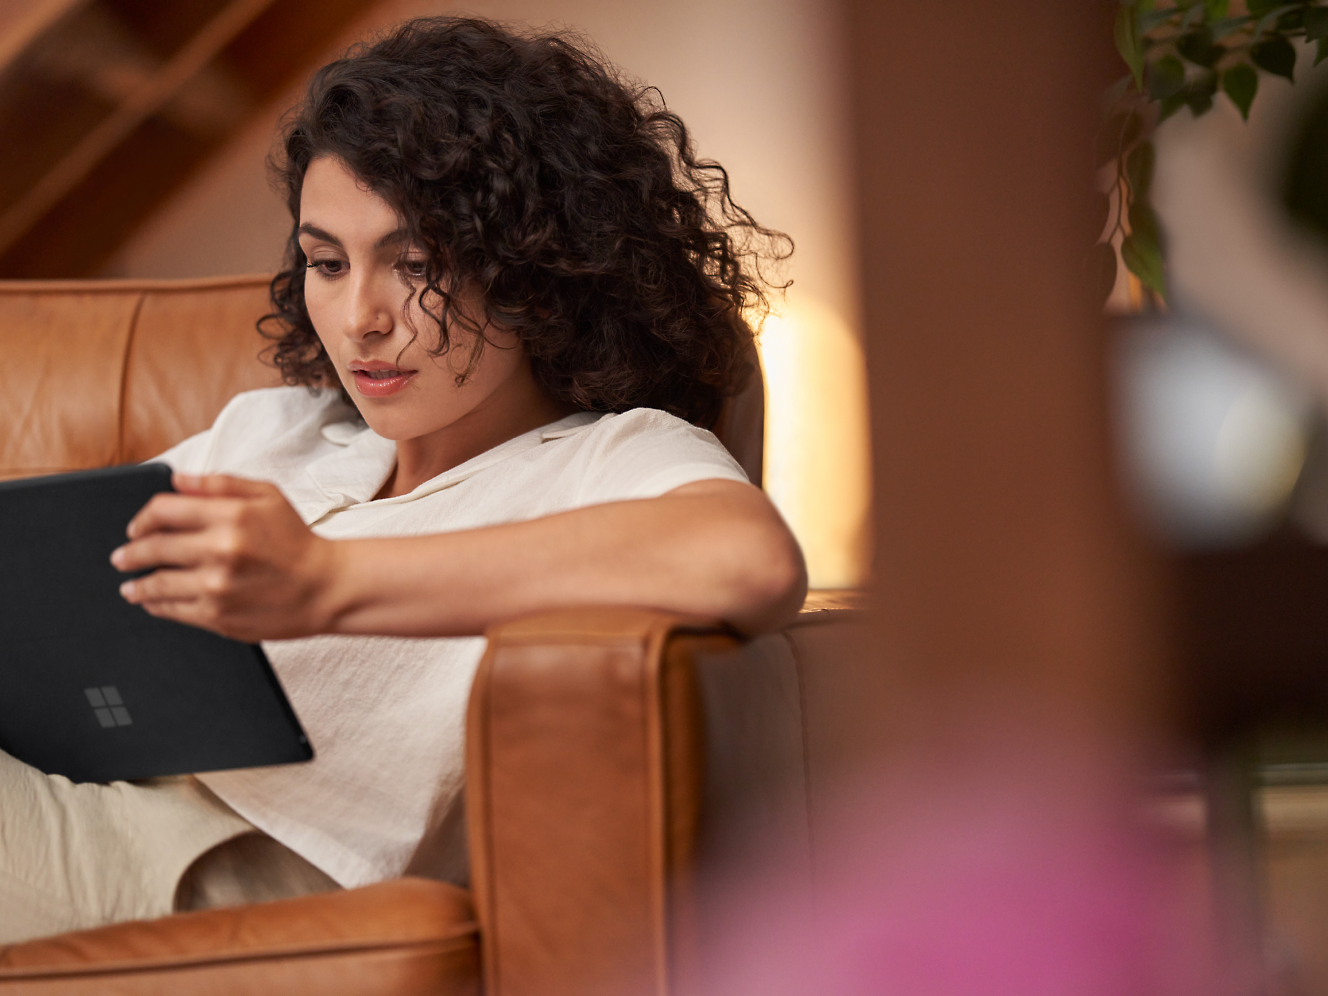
31 24
147 100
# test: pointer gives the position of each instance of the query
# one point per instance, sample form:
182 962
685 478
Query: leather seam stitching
588 637
131 286
487 878
652 677
124 378
205 961
804 728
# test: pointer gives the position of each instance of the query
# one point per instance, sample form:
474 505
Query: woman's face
361 273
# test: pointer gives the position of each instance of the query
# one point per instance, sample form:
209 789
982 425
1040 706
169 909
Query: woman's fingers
194 504
173 585
201 612
183 549
169 512
230 555
220 486
201 596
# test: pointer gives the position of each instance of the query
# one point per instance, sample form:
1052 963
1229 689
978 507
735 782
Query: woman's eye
328 267
414 269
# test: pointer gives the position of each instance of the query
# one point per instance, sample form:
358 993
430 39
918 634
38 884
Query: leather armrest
403 936
583 787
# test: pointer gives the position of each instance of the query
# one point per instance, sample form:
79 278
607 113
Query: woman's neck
491 423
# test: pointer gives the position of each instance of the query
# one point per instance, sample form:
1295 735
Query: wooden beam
149 98
24 21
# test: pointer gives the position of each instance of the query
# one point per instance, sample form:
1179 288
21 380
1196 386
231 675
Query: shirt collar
354 473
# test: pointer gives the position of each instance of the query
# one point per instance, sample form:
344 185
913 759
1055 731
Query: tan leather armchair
606 749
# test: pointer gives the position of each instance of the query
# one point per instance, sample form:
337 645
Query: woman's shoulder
656 430
644 452
258 432
649 423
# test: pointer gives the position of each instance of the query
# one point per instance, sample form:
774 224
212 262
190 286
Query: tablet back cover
96 689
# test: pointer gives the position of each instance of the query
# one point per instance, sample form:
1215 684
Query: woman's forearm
232 556
714 548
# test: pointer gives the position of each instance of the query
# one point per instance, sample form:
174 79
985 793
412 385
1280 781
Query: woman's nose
367 308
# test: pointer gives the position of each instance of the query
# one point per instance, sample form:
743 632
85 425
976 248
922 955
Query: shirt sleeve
188 456
645 453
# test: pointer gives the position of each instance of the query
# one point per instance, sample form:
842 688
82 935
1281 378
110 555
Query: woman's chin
400 426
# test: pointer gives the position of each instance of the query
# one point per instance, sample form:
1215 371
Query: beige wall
759 84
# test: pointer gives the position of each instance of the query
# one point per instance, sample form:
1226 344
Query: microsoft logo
108 706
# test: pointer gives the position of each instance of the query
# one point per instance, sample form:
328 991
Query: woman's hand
231 556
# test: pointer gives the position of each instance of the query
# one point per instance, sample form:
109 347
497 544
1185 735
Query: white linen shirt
386 714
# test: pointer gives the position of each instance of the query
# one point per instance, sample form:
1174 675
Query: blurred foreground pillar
1001 706
1003 702
1007 586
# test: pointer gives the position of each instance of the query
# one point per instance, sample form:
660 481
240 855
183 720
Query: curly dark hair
526 167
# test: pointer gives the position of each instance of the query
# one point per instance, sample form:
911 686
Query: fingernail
117 556
127 591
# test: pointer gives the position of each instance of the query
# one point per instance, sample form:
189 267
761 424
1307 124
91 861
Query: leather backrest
208 335
98 372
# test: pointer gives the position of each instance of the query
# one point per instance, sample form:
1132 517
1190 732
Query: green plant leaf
1143 221
1154 19
1275 55
1165 77
1101 215
1199 94
1226 26
1217 8
1198 47
1291 20
1143 258
1241 83
1129 43
1271 19
1102 270
1139 169
1118 135
1316 23
1170 106
1111 97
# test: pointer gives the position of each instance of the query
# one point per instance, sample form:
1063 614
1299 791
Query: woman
513 290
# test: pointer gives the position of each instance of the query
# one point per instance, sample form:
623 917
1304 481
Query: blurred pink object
1004 886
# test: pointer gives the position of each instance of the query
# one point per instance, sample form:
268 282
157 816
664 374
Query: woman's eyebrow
318 233
391 238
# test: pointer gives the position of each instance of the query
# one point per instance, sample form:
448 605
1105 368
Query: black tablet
96 689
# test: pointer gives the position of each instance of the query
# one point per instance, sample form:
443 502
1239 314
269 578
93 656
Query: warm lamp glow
817 450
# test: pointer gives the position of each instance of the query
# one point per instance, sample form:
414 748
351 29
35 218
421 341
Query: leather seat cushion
409 935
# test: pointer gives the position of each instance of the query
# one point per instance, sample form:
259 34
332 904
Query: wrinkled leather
208 331
405 936
572 759
99 372
61 376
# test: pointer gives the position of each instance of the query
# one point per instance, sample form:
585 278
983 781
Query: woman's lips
381 383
